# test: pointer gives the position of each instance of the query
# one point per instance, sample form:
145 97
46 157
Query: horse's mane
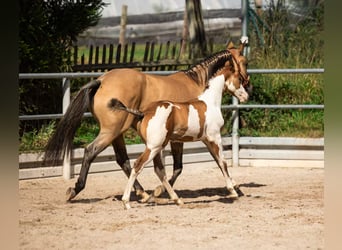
203 71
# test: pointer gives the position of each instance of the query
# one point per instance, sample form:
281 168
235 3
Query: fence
235 143
154 57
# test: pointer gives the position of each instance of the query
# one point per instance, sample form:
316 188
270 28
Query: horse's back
125 85
126 81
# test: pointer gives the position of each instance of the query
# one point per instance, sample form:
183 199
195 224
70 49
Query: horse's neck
213 94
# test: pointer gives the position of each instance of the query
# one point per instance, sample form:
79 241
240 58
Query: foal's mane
206 69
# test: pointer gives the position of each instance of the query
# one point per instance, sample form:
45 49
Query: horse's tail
61 141
116 104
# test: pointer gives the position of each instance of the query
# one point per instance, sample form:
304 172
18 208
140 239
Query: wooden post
123 23
196 28
185 33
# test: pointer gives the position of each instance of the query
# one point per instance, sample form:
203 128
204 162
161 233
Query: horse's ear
243 43
230 45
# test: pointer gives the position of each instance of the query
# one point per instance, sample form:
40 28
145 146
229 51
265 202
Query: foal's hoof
179 202
126 205
70 193
158 191
232 194
238 190
144 197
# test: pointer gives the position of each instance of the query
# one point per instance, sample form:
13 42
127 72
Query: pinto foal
197 120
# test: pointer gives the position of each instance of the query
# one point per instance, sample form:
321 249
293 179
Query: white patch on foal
212 98
156 128
193 123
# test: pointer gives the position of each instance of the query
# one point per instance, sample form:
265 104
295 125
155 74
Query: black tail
116 104
62 140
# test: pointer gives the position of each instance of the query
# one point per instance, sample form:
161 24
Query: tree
47 29
198 43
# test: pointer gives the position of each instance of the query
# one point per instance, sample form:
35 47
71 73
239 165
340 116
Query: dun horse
199 119
137 90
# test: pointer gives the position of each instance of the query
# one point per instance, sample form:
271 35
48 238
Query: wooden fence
155 57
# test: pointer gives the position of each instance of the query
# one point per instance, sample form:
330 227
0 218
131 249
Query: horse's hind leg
177 154
123 161
90 153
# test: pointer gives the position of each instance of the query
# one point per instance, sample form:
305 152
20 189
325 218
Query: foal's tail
61 141
116 104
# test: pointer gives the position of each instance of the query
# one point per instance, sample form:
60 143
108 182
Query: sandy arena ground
282 209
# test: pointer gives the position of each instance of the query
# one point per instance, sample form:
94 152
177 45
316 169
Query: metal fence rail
67 76
234 106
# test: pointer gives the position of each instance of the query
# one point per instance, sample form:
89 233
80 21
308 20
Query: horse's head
235 71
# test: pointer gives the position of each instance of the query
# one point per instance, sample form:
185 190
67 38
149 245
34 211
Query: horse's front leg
123 161
177 155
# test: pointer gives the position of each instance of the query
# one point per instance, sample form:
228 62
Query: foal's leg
159 169
139 164
123 161
177 154
90 152
215 148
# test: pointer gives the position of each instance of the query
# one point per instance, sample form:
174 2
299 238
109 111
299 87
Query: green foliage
47 29
289 43
36 140
86 132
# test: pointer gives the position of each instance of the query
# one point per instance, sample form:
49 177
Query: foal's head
235 71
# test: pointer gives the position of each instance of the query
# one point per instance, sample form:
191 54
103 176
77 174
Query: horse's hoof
158 191
70 193
126 205
144 197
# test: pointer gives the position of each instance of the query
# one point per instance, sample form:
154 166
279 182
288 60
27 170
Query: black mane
203 71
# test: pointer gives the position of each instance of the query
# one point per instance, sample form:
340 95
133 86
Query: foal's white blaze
231 87
240 93
193 123
156 128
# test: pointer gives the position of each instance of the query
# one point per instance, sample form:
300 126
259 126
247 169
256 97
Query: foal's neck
213 94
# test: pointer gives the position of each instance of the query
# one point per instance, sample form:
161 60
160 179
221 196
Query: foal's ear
230 45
